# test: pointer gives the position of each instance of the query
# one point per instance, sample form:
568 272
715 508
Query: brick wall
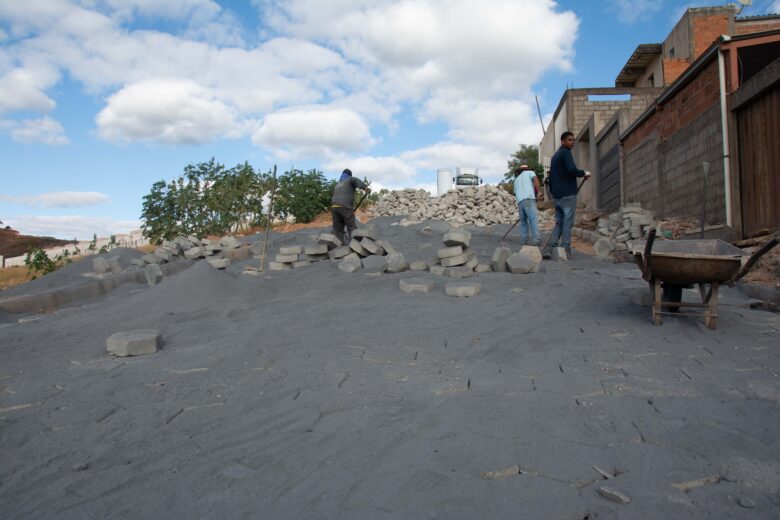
753 26
663 155
707 29
673 67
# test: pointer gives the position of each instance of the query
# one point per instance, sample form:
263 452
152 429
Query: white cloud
68 227
61 199
44 130
167 111
388 172
23 89
632 11
314 131
492 164
775 9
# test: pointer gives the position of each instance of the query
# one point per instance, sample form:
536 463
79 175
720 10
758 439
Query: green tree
302 195
526 154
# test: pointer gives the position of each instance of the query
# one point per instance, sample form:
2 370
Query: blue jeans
529 221
565 207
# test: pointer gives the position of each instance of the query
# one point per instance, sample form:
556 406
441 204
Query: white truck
464 178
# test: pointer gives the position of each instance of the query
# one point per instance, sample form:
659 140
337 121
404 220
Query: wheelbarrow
669 266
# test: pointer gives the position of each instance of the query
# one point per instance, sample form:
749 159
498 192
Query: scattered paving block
279 266
449 252
100 265
559 254
463 289
230 242
193 253
354 244
396 263
384 244
134 343
331 241
438 269
218 263
195 241
525 261
472 263
500 256
455 260
351 263
313 258
374 264
482 268
460 272
115 263
290 250
459 237
151 259
286 259
372 247
339 252
365 232
163 253
603 247
212 247
614 495
205 241
153 274
301 263
411 285
418 266
316 249
137 262
184 243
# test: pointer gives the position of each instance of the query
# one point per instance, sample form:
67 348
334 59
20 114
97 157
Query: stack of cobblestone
326 247
479 206
630 222
455 259
369 254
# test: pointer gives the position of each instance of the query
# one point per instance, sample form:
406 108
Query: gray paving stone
137 262
301 263
351 263
374 264
316 249
163 253
291 250
525 261
354 244
500 256
387 246
603 247
193 253
134 343
460 272
153 274
438 269
279 266
230 242
396 263
410 285
459 237
372 247
614 495
365 232
418 266
339 252
463 289
286 259
218 263
330 240
483 268
455 260
472 263
449 252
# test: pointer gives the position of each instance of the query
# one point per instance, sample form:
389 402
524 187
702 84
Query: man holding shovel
341 205
563 187
526 185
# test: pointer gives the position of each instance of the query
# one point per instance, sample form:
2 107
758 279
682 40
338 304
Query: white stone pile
630 222
479 206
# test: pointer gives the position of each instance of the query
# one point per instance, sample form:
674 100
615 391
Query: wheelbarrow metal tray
686 262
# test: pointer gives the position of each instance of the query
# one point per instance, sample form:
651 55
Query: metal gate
608 150
758 132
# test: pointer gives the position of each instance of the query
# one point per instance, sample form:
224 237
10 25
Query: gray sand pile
313 393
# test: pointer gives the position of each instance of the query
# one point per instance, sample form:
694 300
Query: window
671 52
651 80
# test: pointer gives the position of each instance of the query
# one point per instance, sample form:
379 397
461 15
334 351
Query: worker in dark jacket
563 187
341 205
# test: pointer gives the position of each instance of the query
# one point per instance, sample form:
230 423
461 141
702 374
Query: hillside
13 244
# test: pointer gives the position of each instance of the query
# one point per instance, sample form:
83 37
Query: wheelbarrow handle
647 253
752 260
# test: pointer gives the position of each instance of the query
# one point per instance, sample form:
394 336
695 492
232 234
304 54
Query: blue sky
101 98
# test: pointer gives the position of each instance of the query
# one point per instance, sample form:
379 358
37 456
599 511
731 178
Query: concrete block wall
641 176
748 26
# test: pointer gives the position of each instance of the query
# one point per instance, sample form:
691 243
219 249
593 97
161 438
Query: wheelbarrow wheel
672 293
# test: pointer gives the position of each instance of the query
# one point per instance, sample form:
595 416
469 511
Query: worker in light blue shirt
526 186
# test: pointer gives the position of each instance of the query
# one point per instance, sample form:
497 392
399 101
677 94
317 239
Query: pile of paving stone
370 255
479 206
630 222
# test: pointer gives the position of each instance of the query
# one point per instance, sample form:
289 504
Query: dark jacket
344 193
563 174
